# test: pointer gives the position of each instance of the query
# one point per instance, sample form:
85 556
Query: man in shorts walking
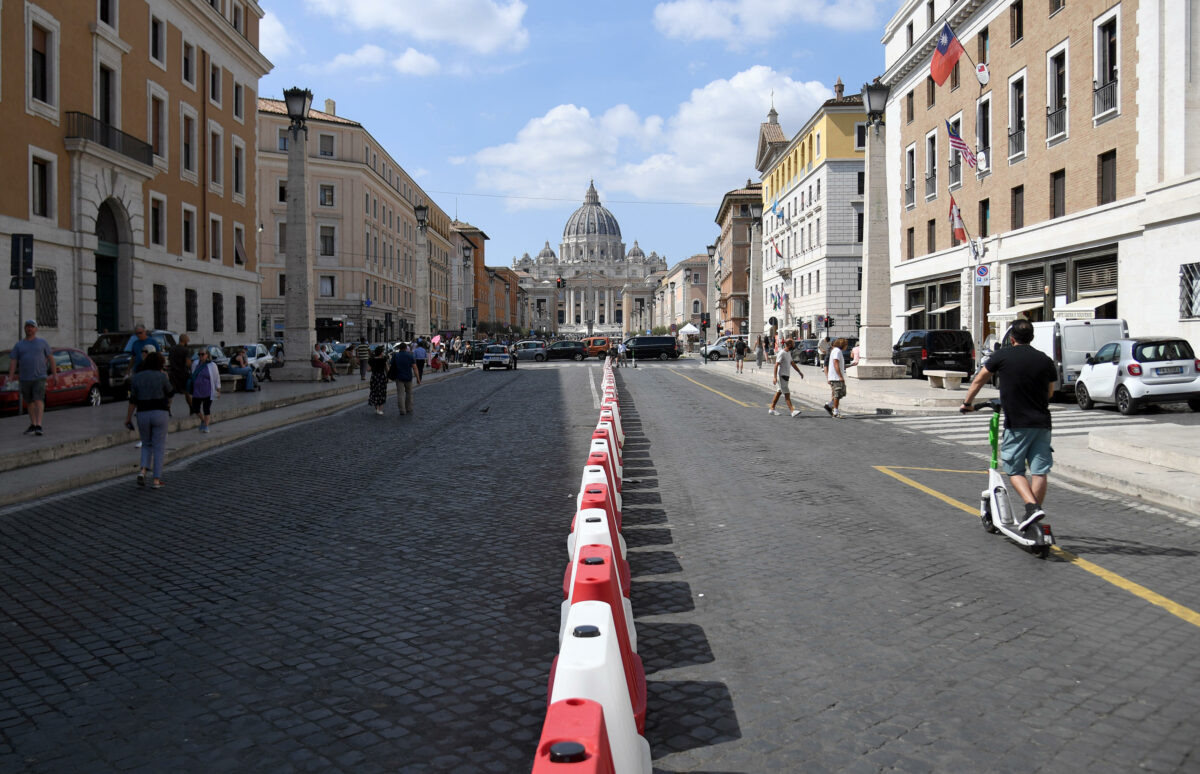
36 362
739 354
783 361
835 372
1027 377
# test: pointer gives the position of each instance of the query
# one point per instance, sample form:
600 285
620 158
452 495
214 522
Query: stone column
299 326
875 353
421 289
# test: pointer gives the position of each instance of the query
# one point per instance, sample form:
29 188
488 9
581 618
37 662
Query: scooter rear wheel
985 517
1041 551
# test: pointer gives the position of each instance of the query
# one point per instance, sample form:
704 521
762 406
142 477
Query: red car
77 381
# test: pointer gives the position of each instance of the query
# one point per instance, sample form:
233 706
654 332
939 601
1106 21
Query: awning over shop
1014 311
1083 309
914 310
947 308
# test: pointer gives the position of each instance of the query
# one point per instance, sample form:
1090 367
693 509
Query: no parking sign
983 275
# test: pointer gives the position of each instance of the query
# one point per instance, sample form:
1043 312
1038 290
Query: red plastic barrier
595 581
599 496
602 459
574 739
603 432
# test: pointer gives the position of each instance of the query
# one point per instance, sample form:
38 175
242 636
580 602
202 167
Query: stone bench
232 382
949 380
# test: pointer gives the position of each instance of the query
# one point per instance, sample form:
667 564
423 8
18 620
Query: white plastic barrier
609 428
613 418
602 444
590 667
594 534
597 474
584 518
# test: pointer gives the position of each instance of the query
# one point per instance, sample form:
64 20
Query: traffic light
462 329
798 322
828 322
704 320
560 283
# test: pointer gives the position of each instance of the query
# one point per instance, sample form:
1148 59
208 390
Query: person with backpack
205 387
404 371
739 354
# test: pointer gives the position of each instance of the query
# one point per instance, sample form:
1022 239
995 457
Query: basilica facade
591 286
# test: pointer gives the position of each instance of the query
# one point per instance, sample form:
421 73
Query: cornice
922 48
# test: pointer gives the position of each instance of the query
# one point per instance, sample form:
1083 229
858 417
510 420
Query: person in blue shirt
420 355
403 371
36 363
137 345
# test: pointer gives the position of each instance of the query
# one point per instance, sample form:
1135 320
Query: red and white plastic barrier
574 740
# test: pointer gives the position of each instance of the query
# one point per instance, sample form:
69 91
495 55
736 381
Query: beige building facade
729 275
130 152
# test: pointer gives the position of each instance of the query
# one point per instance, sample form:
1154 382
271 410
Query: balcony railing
83 126
910 194
1056 122
1016 142
955 172
1104 96
931 184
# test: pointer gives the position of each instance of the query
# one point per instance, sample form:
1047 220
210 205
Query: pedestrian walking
739 354
378 364
32 360
823 347
150 395
179 368
420 355
760 351
405 372
205 388
835 372
783 361
363 351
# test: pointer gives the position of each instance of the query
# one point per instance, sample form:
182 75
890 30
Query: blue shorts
1026 444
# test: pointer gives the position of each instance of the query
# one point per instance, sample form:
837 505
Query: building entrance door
107 315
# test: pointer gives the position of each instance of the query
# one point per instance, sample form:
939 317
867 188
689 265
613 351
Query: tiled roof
278 107
773 132
848 100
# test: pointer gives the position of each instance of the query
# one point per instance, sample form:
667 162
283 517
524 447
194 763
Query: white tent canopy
689 330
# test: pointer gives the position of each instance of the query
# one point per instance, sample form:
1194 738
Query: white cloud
273 39
706 148
483 26
739 22
367 56
413 62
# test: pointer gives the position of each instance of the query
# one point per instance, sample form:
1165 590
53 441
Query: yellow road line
1121 582
718 392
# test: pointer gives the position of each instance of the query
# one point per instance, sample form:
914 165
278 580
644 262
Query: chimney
838 89
331 106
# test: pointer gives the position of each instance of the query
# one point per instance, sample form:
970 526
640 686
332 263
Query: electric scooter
995 503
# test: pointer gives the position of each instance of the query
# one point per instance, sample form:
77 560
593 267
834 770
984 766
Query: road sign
983 275
16 284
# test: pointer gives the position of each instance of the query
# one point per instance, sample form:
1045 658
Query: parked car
76 380
566 350
597 346
723 347
1134 372
922 350
1069 343
110 354
530 350
806 352
650 347
498 356
256 355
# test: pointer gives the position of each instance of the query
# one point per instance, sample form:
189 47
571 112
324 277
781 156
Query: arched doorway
113 276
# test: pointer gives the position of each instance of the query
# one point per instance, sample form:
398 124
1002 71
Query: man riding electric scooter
1027 378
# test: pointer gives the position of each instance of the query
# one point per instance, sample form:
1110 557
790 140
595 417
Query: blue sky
504 110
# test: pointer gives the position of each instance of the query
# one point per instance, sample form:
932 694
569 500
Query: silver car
530 350
1134 372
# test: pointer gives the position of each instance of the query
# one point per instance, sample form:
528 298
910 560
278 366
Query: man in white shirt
783 361
836 374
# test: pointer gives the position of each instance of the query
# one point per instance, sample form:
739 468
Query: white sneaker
796 413
773 411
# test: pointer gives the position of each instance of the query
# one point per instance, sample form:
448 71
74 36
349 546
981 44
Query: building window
158 222
954 76
327 240
1056 94
214 238
1016 21
218 306
983 46
191 307
931 165
858 227
985 217
1107 61
187 147
860 136
1106 177
1056 6
909 112
188 232
983 133
189 64
107 98
1058 193
281 191
929 17
910 244
239 244
158 40
1016 117
282 142
158 126
42 95
862 183
326 195
930 92
1189 291
326 286
239 18
282 285
41 186
931 236
695 306
239 170
908 34
238 98
1017 207
214 84
46 283
281 238
160 307
910 176
216 168
239 305
107 12
326 145
955 166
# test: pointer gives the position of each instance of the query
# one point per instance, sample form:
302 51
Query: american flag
957 143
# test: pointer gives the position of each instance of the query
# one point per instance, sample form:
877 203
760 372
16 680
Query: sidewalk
86 445
1158 464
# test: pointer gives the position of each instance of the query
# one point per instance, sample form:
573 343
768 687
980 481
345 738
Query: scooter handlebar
993 404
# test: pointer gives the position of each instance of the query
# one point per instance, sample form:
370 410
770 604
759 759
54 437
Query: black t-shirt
740 347
1025 374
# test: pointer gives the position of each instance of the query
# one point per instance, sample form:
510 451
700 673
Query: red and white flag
956 222
945 55
776 249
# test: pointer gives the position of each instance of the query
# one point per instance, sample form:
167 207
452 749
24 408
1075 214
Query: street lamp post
421 306
299 320
468 251
874 360
754 297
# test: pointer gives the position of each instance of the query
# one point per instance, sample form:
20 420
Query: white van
1069 342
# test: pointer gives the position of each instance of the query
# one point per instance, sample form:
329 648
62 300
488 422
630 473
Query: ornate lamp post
875 355
468 251
754 297
421 310
299 320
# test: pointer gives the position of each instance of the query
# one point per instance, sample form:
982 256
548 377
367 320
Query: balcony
84 127
931 184
1016 142
1056 122
910 194
956 171
1104 97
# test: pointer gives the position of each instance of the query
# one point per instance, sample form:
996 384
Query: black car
934 349
112 358
806 352
566 350
651 347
